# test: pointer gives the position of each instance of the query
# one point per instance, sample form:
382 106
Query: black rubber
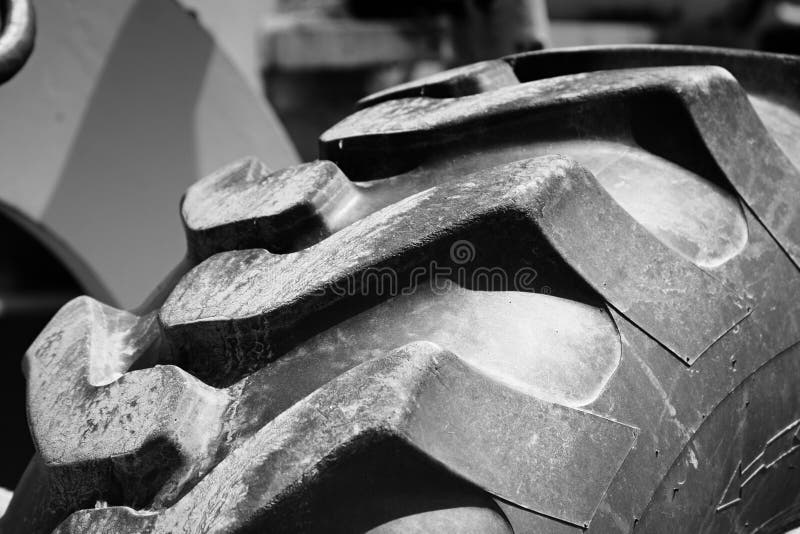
549 293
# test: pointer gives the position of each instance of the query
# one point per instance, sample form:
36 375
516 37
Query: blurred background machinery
314 58
318 58
125 102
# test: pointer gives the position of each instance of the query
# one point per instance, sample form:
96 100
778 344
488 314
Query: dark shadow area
377 481
310 102
33 285
661 124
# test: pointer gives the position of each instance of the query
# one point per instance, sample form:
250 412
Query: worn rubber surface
550 293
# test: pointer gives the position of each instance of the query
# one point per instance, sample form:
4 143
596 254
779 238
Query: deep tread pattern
462 81
763 74
286 360
400 397
264 295
244 206
711 96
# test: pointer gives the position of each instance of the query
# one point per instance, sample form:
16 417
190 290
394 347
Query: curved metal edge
16 41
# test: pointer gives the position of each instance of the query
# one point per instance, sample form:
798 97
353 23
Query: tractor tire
550 293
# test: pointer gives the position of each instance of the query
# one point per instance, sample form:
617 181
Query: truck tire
554 292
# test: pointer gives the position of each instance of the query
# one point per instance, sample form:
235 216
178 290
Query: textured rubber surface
529 300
